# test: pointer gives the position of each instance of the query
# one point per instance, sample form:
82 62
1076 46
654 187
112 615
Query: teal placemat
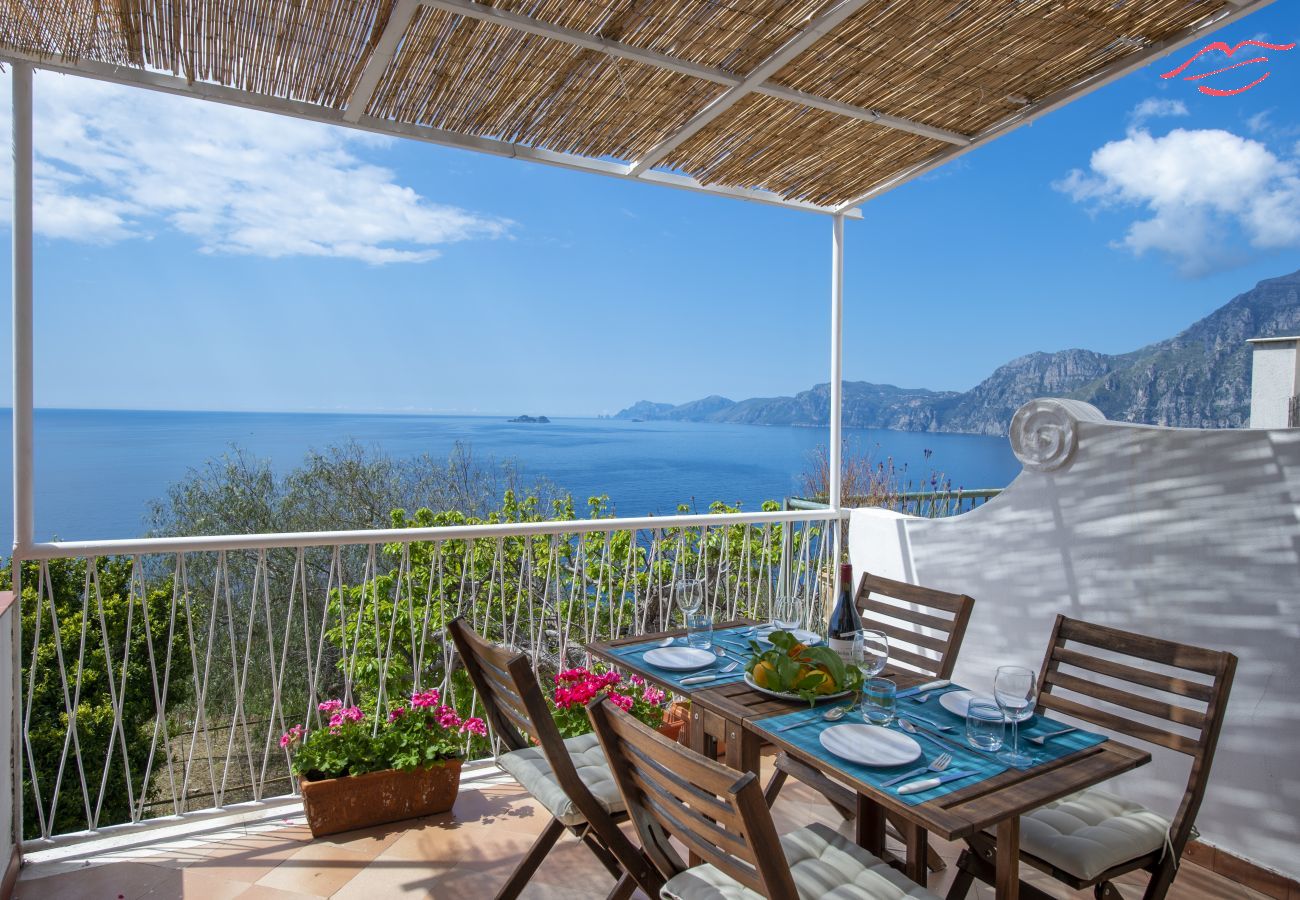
808 739
1053 749
732 639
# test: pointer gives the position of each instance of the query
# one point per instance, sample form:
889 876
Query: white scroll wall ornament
1044 432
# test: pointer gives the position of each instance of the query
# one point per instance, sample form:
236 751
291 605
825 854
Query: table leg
704 744
701 741
1008 860
918 850
869 829
743 748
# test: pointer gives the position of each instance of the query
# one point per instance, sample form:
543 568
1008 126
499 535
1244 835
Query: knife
922 688
925 784
700 679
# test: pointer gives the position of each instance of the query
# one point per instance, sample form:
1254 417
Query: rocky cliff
1199 378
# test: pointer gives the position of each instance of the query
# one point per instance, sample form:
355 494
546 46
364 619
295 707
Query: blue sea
97 470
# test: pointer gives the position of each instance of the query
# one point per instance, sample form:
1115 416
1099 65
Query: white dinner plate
803 636
957 701
870 745
680 659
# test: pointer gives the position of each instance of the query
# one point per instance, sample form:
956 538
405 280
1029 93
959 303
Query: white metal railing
180 661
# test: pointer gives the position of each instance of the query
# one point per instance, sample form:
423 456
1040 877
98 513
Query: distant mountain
1199 378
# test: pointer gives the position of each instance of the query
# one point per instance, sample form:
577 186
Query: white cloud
115 163
1154 107
1208 193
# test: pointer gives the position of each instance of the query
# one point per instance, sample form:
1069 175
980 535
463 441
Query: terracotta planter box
360 801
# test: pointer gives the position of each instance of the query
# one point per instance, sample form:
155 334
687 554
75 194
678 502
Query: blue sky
259 263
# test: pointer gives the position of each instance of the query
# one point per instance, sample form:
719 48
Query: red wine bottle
844 618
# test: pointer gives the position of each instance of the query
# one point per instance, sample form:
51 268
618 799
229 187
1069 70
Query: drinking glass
689 594
875 651
879 700
986 727
786 614
1015 688
699 630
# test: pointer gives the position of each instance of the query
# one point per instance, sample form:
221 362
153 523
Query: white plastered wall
1190 535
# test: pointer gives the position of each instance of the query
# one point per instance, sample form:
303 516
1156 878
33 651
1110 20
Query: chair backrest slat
1194 732
876 607
718 814
1170 684
930 665
927 627
1173 712
1103 719
515 707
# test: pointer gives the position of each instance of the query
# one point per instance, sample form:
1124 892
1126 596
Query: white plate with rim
802 635
870 745
680 659
956 702
785 695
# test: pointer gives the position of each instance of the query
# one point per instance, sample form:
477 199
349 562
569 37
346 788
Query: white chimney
1275 382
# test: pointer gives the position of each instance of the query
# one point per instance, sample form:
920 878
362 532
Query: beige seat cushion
1087 833
532 771
824 864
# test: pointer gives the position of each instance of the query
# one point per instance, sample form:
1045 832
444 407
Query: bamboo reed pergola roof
818 104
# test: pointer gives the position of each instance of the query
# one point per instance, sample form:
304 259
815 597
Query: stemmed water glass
689 594
786 614
874 651
1015 689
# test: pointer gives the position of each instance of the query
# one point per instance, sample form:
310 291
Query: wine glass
786 614
1015 688
689 594
875 651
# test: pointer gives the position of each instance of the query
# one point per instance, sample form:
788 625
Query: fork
1041 739
941 762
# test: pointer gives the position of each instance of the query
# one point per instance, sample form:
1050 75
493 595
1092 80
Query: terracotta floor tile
193 885
247 858
262 892
318 869
114 881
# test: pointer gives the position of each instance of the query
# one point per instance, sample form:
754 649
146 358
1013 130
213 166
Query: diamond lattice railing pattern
174 673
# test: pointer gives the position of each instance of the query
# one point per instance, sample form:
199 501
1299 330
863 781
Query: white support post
24 508
833 486
24 518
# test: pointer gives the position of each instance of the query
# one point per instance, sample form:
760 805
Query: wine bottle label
843 648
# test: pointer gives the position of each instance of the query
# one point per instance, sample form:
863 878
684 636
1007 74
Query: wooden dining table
728 713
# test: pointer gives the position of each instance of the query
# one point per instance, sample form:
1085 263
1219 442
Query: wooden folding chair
719 815
569 778
1090 838
925 627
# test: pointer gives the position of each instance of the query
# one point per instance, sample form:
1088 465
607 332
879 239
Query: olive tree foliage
259 615
544 594
345 487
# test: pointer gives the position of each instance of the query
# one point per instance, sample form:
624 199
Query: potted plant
355 772
575 688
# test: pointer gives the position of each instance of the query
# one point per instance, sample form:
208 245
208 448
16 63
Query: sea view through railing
99 469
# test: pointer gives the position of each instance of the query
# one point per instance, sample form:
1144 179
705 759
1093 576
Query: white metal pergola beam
573 37
385 49
217 93
807 36
1060 98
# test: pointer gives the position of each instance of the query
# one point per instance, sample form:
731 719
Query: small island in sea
531 420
